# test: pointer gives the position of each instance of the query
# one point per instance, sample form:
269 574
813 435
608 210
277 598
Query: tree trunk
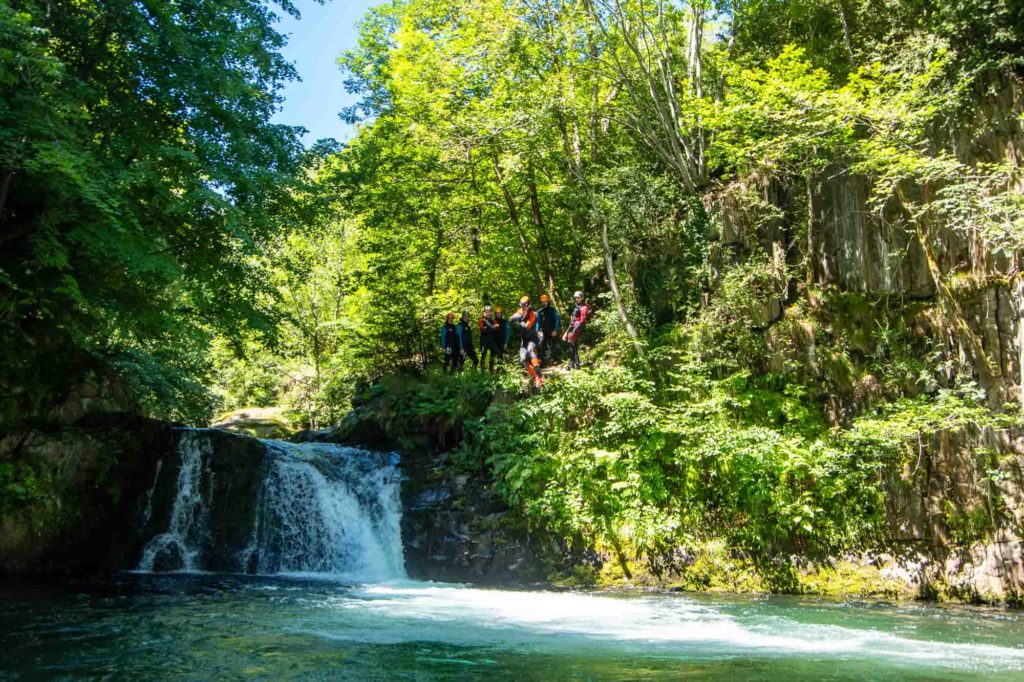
846 33
432 275
5 186
812 245
513 214
613 284
542 240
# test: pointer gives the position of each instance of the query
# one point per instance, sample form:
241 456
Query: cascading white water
329 509
183 537
320 508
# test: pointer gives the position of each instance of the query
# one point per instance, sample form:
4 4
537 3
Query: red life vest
579 317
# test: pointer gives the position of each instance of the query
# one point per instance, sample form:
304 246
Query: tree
138 172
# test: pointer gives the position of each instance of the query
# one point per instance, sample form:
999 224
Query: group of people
538 329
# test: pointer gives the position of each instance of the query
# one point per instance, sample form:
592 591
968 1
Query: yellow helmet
499 309
525 300
544 298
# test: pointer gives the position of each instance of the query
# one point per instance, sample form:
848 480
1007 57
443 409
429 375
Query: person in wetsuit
550 324
451 342
572 333
466 335
501 338
489 341
529 340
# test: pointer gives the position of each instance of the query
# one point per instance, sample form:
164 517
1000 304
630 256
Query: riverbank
88 502
607 479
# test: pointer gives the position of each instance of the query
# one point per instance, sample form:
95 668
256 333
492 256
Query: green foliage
604 455
20 486
138 173
427 411
512 148
672 160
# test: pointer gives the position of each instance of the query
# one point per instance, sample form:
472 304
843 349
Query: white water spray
321 509
328 509
184 535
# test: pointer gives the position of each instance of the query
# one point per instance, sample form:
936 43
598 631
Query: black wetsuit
501 338
489 343
547 320
467 345
580 314
450 345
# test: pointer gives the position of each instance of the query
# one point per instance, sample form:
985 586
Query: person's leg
471 355
548 352
532 364
485 349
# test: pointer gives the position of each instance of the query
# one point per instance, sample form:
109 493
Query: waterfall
183 537
329 509
274 507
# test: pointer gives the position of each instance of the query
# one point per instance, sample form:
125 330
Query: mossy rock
258 422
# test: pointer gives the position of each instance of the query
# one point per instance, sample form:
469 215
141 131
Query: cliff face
958 512
958 508
456 528
75 498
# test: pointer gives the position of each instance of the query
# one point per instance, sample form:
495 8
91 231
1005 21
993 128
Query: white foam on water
408 611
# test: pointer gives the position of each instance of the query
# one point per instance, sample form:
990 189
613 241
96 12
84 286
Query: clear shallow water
301 627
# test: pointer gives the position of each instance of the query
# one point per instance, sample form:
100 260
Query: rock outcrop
74 497
456 528
958 510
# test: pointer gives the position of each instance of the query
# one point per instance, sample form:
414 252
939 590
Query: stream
203 626
301 577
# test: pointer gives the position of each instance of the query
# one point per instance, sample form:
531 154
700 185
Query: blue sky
315 41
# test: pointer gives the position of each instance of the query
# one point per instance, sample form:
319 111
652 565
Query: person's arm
558 322
584 314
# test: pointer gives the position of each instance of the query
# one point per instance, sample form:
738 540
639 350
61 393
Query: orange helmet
544 298
448 317
499 309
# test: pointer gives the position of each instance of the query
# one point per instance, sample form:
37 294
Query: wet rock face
961 505
230 479
456 528
99 491
85 492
